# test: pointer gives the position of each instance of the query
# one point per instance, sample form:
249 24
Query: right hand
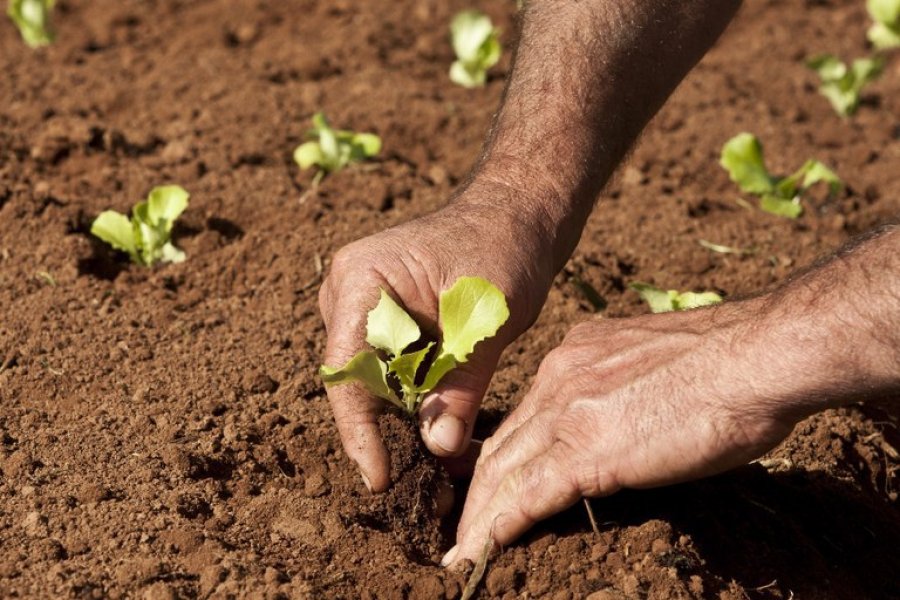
414 262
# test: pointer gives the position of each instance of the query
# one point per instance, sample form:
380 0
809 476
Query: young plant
843 85
470 311
885 32
477 45
742 157
146 237
333 149
32 17
668 300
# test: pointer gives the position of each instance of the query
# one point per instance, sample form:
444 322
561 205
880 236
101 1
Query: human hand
414 262
631 403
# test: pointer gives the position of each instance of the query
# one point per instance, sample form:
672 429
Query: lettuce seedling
333 149
885 32
843 85
32 17
477 45
470 311
742 157
668 300
146 237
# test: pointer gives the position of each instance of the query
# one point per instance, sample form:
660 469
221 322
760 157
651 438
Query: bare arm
588 75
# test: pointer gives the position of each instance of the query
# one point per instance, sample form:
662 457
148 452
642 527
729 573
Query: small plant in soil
843 84
333 149
885 31
401 367
146 237
742 157
669 300
32 18
477 45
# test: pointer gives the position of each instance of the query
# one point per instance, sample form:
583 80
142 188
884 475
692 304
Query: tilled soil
163 433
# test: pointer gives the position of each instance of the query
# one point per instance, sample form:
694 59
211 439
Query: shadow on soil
817 536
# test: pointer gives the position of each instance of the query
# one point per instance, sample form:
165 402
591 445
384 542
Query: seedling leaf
115 229
390 328
146 237
885 32
365 368
333 149
780 206
470 311
32 18
742 157
670 300
477 46
843 85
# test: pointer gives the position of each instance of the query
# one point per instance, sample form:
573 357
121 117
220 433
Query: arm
660 399
587 77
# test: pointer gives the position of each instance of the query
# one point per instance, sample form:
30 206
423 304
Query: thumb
448 413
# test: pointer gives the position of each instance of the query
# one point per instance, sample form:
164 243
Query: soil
163 433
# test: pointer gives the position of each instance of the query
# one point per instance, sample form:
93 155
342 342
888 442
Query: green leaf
815 171
165 204
170 253
389 327
742 157
443 364
884 37
365 145
477 46
660 301
783 207
331 149
115 229
843 86
32 18
365 368
884 11
407 365
689 300
472 310
308 154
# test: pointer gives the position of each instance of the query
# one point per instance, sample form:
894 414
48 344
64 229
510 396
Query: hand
414 262
630 403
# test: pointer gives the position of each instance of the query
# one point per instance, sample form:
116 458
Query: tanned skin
637 402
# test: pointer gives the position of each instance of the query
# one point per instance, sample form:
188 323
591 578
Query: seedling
146 237
32 18
885 32
333 149
470 311
668 300
477 45
742 157
843 85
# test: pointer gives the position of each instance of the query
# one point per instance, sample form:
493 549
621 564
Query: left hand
631 403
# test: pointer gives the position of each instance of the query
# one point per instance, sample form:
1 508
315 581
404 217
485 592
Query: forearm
586 79
833 332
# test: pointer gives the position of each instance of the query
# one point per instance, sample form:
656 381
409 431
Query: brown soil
163 433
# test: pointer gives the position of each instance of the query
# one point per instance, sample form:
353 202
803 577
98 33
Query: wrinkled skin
634 403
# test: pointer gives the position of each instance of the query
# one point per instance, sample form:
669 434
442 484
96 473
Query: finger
532 492
448 413
532 439
355 410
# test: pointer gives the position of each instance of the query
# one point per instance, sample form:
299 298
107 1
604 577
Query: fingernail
366 481
451 554
448 432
